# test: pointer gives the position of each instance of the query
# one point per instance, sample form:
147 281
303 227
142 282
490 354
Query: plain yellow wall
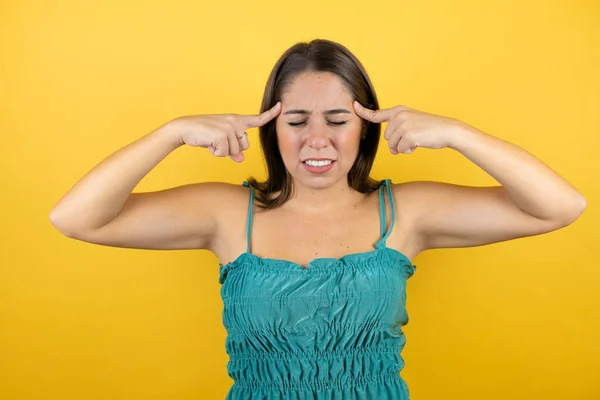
79 80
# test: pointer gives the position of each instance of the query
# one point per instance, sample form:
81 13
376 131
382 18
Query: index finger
253 121
376 116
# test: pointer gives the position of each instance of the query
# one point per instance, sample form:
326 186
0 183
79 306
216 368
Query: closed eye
329 122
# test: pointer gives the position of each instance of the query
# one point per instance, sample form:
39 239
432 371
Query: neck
310 200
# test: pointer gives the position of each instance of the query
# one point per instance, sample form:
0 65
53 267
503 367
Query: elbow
61 224
72 226
573 210
581 206
56 221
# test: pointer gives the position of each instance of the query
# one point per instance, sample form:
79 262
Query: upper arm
447 215
184 217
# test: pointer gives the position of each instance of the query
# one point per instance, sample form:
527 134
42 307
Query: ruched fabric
329 331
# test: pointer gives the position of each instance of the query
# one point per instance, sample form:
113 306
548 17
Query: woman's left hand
408 128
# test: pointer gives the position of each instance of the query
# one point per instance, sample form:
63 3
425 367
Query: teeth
318 163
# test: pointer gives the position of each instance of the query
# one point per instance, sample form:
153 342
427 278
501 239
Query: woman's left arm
533 186
532 200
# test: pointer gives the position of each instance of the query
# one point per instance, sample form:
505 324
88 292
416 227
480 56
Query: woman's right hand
223 134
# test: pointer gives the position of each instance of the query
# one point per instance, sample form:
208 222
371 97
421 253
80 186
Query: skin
324 217
534 201
319 137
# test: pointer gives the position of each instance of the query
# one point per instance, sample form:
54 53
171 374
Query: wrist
170 133
463 135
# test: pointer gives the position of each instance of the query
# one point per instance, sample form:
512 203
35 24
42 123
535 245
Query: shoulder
220 205
417 201
212 200
422 198
419 194
222 195
227 198
409 194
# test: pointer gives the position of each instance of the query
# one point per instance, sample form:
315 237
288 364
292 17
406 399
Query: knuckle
231 126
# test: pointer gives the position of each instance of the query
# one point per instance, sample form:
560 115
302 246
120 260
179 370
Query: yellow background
515 320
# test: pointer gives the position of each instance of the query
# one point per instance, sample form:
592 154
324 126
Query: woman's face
317 121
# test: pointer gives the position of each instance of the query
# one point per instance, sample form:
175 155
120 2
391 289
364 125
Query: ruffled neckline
385 255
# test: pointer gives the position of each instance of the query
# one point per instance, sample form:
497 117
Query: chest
302 239
284 235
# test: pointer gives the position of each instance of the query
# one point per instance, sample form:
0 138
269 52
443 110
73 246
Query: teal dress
329 331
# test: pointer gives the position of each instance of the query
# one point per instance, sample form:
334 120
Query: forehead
316 89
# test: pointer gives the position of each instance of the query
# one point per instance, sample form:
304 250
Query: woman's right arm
102 209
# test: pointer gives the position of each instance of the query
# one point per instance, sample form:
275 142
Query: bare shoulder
420 201
420 196
408 191
230 202
417 194
210 196
423 211
408 203
230 191
212 208
409 197
224 198
206 210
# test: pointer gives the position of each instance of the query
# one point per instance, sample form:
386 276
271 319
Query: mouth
317 159
318 165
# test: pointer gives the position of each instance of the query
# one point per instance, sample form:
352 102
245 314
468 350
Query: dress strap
249 224
384 235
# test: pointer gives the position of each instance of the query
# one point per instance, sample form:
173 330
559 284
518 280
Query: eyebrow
328 112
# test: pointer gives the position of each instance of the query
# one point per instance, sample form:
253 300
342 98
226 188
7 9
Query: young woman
313 272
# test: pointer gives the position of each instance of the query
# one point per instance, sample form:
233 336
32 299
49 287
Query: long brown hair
319 55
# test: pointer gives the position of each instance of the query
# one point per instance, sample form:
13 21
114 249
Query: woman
314 308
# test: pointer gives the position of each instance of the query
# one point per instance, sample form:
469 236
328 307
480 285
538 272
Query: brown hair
318 55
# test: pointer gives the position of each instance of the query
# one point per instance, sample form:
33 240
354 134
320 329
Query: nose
317 135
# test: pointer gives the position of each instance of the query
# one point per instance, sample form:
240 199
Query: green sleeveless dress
329 331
